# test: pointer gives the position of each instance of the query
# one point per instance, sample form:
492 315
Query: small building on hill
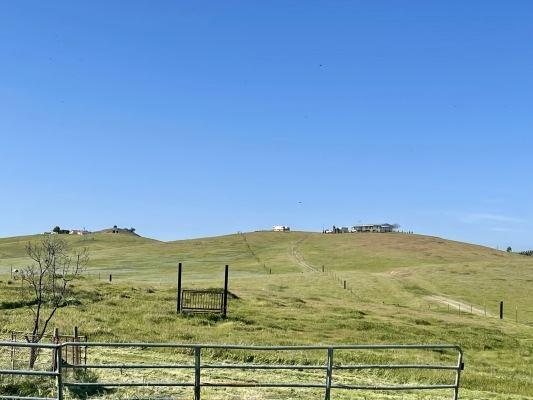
80 232
337 229
281 228
376 228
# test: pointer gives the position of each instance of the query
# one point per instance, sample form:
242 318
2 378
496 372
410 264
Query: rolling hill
289 289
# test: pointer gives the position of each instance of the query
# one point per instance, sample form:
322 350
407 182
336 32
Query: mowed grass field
397 289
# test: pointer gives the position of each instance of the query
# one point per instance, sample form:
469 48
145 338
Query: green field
400 289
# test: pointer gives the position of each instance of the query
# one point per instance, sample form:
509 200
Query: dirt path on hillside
458 305
298 257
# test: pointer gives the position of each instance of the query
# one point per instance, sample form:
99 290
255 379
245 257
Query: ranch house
378 228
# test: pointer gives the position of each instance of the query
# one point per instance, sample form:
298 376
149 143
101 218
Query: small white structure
338 229
281 228
80 232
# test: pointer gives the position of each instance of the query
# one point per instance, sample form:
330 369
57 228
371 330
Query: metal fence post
178 295
59 368
329 374
13 339
197 369
55 340
225 299
460 367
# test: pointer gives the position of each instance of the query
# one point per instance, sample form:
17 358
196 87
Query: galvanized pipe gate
329 367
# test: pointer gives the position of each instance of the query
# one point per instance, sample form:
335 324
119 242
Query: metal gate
202 301
329 369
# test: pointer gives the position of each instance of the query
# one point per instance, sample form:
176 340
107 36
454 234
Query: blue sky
187 119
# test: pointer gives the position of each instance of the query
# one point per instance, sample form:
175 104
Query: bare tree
49 279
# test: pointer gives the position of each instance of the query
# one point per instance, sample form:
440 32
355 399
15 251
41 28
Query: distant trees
60 231
49 278
509 249
336 229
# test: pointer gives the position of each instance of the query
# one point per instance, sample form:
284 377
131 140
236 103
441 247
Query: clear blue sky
186 119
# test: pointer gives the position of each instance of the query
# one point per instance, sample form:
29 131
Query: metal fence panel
332 366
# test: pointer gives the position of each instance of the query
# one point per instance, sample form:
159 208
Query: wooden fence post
55 340
501 309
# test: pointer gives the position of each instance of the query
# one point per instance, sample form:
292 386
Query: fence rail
327 383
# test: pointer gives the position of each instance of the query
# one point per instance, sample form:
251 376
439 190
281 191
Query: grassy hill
400 289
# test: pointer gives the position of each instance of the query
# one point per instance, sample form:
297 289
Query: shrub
84 392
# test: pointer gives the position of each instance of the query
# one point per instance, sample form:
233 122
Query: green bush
84 392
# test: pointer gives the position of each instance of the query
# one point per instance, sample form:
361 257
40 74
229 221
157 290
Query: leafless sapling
48 281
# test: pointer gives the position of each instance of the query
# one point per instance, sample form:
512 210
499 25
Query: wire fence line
489 309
